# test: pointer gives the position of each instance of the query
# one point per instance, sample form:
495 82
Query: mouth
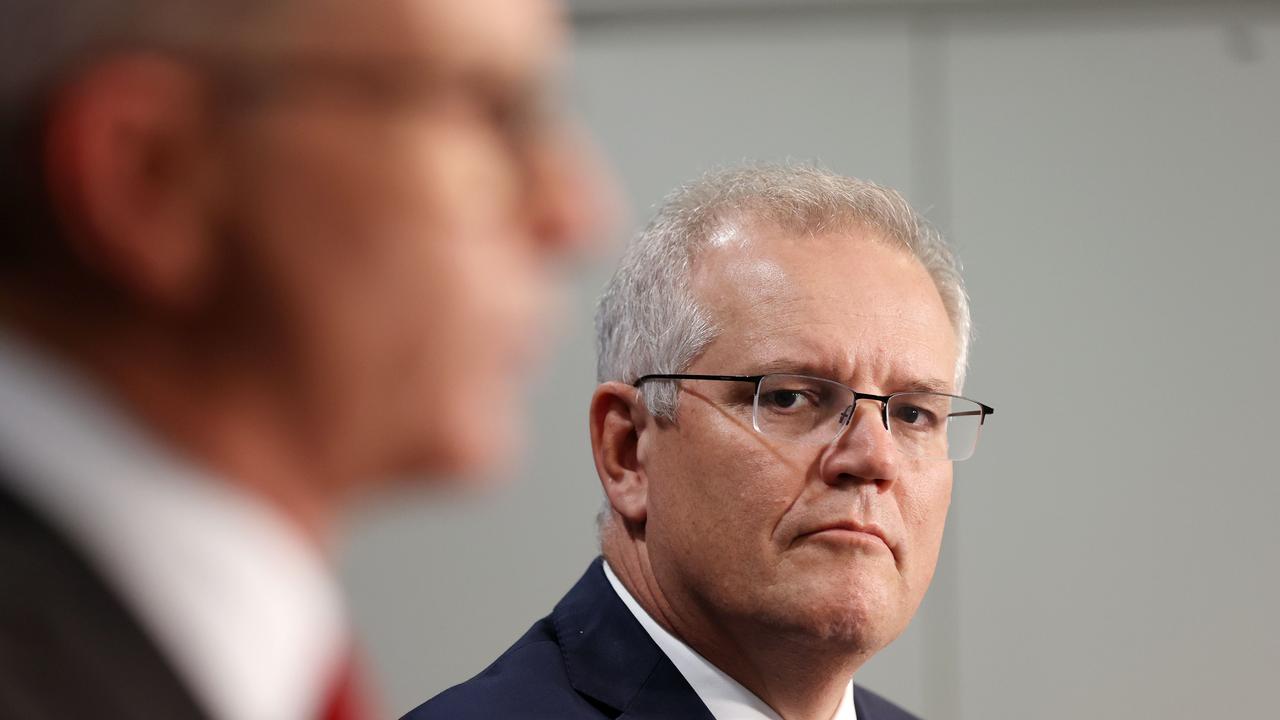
848 532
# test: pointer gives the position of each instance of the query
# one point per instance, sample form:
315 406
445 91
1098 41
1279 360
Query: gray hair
648 320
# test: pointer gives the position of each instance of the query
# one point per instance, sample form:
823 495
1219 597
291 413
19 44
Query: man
778 354
258 258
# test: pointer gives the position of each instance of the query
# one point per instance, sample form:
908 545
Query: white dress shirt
725 697
243 606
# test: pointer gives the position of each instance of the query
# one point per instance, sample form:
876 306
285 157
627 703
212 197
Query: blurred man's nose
574 200
864 452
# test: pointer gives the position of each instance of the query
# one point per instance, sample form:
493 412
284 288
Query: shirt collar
245 608
723 696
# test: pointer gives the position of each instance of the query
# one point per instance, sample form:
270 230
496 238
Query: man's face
733 516
407 232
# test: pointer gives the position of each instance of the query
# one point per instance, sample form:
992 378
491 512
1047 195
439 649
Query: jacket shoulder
874 707
68 645
527 681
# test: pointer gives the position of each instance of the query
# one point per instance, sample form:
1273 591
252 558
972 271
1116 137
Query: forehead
847 304
499 37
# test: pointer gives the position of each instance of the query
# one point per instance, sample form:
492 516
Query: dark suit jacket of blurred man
133 584
590 659
50 601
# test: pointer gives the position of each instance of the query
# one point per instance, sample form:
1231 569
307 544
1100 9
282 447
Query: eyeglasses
815 411
521 114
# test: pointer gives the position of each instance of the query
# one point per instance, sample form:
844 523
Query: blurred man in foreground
258 257
779 354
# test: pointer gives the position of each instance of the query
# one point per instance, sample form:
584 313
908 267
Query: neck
204 402
801 678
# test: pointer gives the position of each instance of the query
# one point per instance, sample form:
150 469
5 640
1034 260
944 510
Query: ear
617 421
129 162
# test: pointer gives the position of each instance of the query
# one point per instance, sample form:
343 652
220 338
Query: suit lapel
610 658
68 647
666 694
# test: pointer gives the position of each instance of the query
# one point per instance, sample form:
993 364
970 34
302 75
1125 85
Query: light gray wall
1115 182
1110 176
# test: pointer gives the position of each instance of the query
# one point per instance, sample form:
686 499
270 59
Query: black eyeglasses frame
882 399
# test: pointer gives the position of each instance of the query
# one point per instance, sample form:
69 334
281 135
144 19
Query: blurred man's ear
131 177
618 418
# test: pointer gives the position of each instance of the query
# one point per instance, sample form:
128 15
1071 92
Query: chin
863 613
866 627
461 454
484 456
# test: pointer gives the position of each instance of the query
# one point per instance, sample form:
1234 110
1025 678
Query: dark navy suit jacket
590 659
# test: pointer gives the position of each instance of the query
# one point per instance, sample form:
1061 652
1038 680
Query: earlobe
127 162
617 423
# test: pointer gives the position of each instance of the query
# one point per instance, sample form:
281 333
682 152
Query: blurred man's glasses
519 113
811 410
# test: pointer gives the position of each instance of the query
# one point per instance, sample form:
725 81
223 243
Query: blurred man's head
348 212
782 505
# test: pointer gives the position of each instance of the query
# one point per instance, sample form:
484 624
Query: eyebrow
828 371
929 385
798 367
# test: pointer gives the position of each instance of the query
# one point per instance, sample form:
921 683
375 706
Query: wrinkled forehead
763 269
831 301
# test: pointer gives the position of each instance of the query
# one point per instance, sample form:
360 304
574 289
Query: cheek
376 210
924 512
475 274
718 499
410 282
475 328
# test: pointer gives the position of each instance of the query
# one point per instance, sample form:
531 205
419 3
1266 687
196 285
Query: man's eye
913 416
783 399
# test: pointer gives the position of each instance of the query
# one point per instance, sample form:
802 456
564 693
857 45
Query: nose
573 199
864 452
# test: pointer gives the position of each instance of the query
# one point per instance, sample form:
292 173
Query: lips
850 526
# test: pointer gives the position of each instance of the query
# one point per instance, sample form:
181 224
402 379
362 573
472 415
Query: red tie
346 698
